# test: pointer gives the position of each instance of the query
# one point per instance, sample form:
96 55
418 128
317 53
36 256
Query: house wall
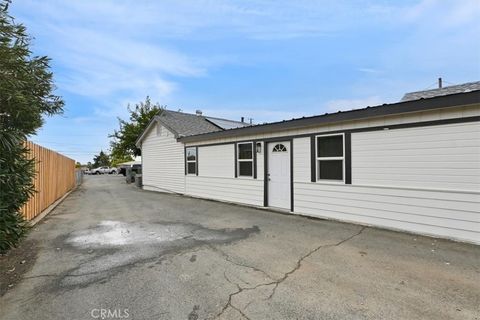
424 179
216 177
163 167
436 157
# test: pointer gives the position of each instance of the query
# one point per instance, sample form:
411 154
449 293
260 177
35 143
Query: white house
412 165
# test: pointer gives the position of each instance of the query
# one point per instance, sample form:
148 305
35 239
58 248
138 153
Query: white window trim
244 160
318 159
191 161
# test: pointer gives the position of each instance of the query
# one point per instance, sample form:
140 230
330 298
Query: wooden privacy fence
55 176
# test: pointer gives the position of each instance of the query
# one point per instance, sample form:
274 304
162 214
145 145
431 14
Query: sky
265 60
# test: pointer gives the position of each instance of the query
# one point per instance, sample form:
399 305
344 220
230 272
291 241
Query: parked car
87 171
103 170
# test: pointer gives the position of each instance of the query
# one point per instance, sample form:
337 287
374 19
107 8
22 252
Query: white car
103 170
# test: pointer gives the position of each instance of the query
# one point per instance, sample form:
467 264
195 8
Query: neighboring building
442 91
412 166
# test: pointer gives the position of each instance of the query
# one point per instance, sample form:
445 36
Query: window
279 148
245 159
330 157
191 158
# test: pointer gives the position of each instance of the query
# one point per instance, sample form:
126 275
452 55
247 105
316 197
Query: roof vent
198 112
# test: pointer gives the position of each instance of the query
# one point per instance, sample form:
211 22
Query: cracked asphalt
134 254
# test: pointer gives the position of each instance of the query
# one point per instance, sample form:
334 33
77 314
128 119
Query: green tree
26 96
123 142
101 160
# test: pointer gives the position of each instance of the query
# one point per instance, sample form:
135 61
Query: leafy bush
26 86
16 187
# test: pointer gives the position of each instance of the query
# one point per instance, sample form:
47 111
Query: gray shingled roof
465 87
186 124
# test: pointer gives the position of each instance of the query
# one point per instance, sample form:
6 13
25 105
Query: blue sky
266 60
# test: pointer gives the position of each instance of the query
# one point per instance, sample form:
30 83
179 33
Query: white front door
278 174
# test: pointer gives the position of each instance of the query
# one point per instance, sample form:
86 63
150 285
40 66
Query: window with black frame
245 159
191 159
330 157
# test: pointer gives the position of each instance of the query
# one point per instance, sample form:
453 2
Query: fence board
55 176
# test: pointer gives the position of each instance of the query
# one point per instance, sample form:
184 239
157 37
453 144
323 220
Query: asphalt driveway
111 251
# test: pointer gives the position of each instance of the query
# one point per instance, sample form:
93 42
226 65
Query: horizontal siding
245 191
260 163
446 214
401 183
301 160
217 161
435 157
163 162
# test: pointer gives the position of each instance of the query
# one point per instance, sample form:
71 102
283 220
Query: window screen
330 146
330 157
191 158
245 159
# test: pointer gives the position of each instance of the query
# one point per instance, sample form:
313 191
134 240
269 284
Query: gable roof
183 124
460 88
439 102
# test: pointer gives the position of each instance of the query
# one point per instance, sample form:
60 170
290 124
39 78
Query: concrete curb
50 208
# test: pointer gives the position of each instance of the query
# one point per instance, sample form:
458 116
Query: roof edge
423 104
165 124
211 122
155 119
144 132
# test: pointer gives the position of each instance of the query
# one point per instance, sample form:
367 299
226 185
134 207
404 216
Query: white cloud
100 65
209 19
369 70
99 58
418 10
116 52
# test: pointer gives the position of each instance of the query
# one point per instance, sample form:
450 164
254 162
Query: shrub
26 86
16 187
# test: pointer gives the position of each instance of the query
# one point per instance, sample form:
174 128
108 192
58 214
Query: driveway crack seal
276 283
